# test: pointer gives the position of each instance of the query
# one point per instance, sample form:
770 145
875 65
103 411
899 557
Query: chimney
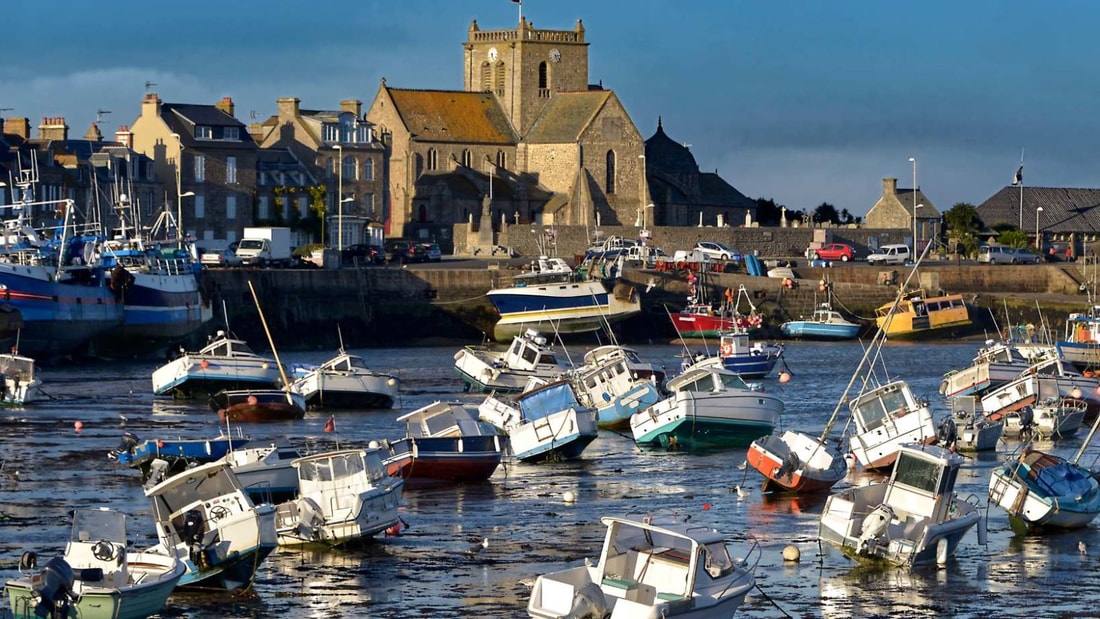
94 134
150 105
355 106
889 186
225 105
288 107
18 126
53 128
124 137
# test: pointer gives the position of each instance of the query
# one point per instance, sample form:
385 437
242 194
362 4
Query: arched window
368 170
433 159
498 80
502 160
467 158
348 168
609 186
486 77
544 77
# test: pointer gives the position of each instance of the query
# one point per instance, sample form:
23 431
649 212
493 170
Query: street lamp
1038 243
340 196
915 252
913 160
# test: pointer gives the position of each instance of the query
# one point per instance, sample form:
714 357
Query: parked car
832 251
432 251
226 257
644 255
1002 254
718 251
362 253
890 254
404 250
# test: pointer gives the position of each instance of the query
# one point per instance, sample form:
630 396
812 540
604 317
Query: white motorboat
1053 418
1051 378
913 518
345 381
969 427
19 381
444 441
650 569
886 417
994 365
529 355
98 577
708 406
343 497
545 422
612 382
224 363
266 472
206 520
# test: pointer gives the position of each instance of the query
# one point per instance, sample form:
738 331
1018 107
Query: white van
890 254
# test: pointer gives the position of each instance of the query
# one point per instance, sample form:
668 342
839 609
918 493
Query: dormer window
231 133
331 132
204 132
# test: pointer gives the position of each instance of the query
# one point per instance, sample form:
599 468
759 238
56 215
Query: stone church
527 141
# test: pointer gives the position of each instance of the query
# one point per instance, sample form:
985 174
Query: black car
362 253
404 250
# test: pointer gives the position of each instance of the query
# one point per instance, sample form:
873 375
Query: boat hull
700 421
566 307
450 459
96 602
1037 511
814 467
810 330
257 406
193 375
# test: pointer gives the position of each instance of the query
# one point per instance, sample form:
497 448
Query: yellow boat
918 316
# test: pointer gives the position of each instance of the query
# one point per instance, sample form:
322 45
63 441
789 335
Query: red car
833 251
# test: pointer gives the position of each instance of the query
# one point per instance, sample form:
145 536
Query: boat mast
263 321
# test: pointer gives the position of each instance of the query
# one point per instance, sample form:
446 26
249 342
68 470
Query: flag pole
1021 179
520 3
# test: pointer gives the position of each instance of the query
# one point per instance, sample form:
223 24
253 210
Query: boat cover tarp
1057 478
547 401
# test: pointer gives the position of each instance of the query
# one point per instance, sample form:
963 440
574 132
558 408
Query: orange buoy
784 377
252 400
78 426
204 364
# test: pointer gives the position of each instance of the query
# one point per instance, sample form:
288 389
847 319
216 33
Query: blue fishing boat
824 324
178 453
749 360
52 277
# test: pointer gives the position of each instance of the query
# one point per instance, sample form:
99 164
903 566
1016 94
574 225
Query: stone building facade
895 208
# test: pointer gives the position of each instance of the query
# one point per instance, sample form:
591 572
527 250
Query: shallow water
429 570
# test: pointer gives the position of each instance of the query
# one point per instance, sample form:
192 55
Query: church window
486 77
467 158
609 187
544 77
433 159
502 160
498 80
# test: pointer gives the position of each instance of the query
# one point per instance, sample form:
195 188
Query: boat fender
983 533
941 552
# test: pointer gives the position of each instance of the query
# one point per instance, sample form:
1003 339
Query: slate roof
717 192
182 118
453 116
565 116
664 153
1064 209
905 196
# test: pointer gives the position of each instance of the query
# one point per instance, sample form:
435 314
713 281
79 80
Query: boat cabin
527 352
442 419
210 491
922 484
1084 328
708 376
97 541
345 363
873 409
17 368
547 400
222 346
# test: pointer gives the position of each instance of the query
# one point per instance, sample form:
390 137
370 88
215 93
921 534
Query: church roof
453 116
565 116
717 192
664 153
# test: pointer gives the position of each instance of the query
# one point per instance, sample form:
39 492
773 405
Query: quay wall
392 306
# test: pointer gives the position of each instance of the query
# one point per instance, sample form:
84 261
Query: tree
826 212
963 224
768 213
1013 238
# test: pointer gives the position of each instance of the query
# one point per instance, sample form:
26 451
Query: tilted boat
1080 344
887 417
343 497
973 429
708 406
444 441
99 576
174 455
914 518
824 324
750 360
704 320
224 363
544 422
610 382
1041 490
1052 418
486 370
345 381
995 364
648 569
553 297
1051 378
258 405
266 472
206 520
917 315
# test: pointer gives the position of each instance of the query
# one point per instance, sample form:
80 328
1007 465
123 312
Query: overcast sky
801 101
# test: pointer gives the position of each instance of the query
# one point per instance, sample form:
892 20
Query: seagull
741 467
123 417
1081 548
741 492
478 547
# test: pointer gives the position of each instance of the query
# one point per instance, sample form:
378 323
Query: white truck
265 247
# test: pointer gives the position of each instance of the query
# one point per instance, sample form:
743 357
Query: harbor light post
1038 241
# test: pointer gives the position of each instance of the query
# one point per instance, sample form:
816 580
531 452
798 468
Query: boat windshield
334 467
716 560
732 381
17 367
95 524
198 488
918 473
